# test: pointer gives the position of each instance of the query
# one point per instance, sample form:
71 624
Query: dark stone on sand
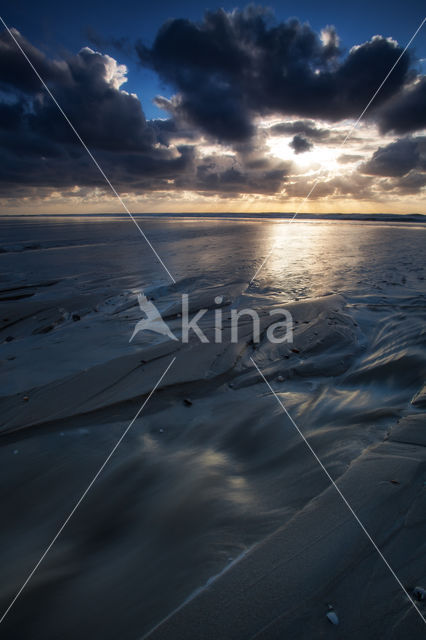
75 317
419 593
187 402
45 329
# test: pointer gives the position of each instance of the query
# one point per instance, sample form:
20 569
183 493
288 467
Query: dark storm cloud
105 117
228 70
311 132
70 166
300 144
306 128
397 158
213 175
167 131
412 183
232 66
407 111
15 72
38 147
87 84
40 151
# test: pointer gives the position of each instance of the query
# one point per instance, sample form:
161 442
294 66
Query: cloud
105 116
397 158
225 174
232 66
347 158
300 144
406 113
306 128
412 183
15 72
234 74
350 185
40 151
88 85
123 45
38 147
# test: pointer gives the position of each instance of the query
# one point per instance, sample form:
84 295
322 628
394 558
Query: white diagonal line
348 135
86 491
96 163
340 493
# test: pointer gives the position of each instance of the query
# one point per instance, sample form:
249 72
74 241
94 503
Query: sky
189 107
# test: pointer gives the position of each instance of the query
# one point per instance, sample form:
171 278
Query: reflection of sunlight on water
299 255
316 257
306 258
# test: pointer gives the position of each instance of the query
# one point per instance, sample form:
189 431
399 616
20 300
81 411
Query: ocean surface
208 489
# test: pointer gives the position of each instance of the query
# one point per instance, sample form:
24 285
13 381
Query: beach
213 518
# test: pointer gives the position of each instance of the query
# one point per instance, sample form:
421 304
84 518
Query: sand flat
212 520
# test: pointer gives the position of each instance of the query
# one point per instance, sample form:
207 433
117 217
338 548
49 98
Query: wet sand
213 519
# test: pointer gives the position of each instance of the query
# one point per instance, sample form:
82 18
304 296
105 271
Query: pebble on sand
331 615
75 317
419 593
187 401
280 378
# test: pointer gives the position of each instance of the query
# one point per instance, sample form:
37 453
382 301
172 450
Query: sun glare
317 158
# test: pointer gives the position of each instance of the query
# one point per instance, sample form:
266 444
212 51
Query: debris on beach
419 593
331 615
187 402
26 398
280 378
75 317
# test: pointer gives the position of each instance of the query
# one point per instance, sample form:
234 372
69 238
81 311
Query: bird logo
153 321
